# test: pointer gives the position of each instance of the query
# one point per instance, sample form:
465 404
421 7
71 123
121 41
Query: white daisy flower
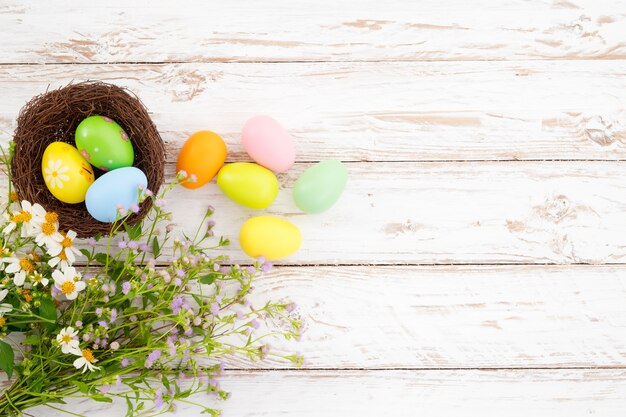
68 282
86 360
4 307
39 279
47 232
29 217
66 251
20 267
68 339
55 174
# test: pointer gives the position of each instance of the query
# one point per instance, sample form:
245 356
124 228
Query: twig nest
54 117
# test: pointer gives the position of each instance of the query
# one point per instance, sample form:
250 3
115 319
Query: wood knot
601 130
555 209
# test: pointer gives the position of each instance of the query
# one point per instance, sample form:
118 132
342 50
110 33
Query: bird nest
53 116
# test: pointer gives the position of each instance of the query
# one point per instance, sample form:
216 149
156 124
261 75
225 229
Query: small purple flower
172 347
225 270
182 173
148 193
266 266
104 343
193 178
125 287
291 307
133 245
113 315
188 331
251 269
105 388
125 362
78 323
180 273
134 208
178 282
176 304
160 202
91 241
144 247
215 309
255 323
239 315
103 323
118 381
158 399
98 311
122 244
154 355
218 299
211 224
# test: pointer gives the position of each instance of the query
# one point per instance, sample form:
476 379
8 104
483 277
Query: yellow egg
66 173
270 237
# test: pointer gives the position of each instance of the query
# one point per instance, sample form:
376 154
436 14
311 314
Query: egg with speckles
66 173
104 143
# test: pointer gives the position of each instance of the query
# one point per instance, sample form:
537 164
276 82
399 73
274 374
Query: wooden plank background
475 264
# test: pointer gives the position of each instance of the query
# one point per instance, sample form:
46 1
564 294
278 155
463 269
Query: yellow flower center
37 278
54 174
26 216
68 287
52 217
48 229
26 265
88 355
18 218
14 197
67 242
66 338
3 321
27 296
62 256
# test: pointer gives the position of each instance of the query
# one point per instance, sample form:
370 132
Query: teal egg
320 186
104 143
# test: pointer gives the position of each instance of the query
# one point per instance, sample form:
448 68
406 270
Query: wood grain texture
157 31
453 317
541 393
444 213
372 111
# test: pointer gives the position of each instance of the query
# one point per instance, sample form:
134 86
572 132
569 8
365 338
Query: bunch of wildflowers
128 318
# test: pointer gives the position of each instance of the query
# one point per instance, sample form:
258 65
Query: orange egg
202 155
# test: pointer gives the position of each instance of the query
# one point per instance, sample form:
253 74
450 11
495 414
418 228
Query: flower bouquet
127 315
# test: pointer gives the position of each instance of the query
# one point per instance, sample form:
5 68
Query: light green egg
320 186
104 143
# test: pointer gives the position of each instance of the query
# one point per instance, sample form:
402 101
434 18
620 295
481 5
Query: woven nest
54 116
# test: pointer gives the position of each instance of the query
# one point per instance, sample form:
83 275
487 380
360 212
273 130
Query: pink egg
268 143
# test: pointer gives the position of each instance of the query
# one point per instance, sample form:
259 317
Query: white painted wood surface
463 393
475 264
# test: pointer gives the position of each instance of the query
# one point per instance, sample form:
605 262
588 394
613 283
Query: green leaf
156 250
101 258
101 398
133 231
7 358
33 339
82 387
165 383
208 279
48 311
86 253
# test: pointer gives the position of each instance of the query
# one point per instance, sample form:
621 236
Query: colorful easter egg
248 184
114 190
66 173
202 155
269 236
104 144
268 143
320 186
